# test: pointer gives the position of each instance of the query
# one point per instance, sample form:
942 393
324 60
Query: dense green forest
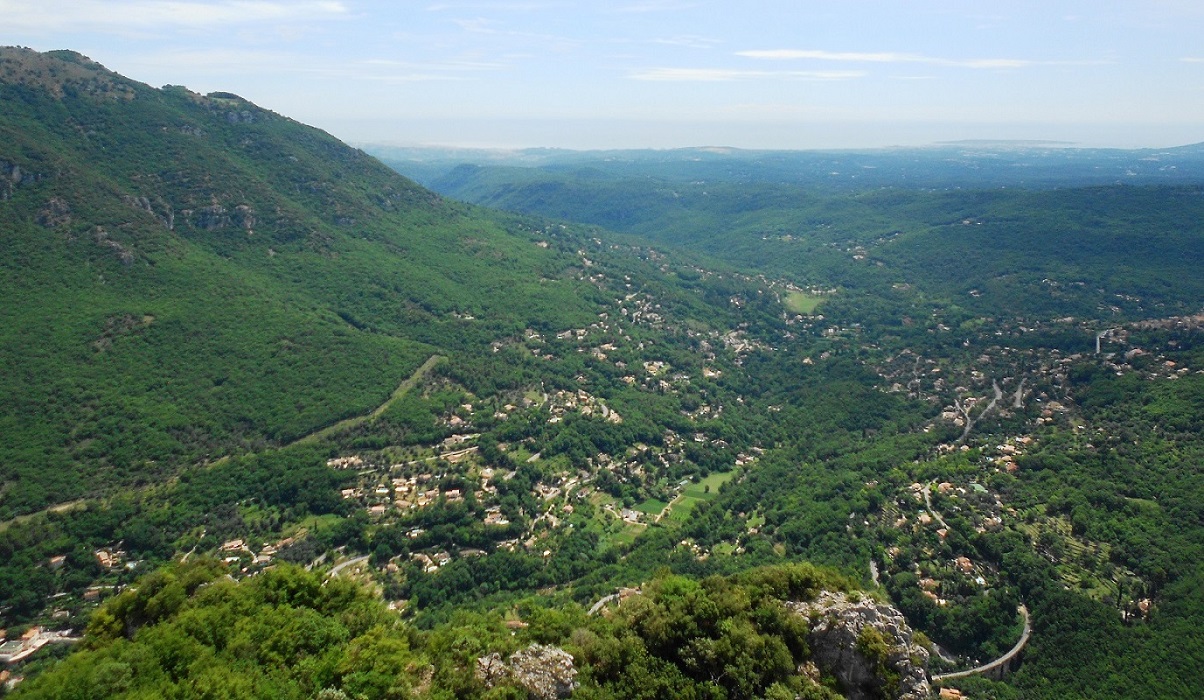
1070 250
187 631
237 349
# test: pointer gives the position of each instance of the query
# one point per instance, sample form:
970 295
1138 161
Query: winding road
928 504
352 562
402 389
596 607
997 663
966 412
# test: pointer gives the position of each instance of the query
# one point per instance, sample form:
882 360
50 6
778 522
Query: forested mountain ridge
187 276
962 165
972 234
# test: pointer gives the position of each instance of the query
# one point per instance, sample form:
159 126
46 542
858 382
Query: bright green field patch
520 455
651 506
693 494
625 536
613 530
682 507
802 303
714 481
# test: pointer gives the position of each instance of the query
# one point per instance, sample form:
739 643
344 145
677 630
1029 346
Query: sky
776 74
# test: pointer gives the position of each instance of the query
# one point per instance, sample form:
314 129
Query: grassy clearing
693 494
520 455
682 507
615 531
554 464
714 481
624 536
651 506
802 303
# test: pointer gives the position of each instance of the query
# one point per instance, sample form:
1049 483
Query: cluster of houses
240 553
562 403
388 491
916 514
14 651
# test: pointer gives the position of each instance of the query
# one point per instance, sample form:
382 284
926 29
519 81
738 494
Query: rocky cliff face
13 176
867 646
545 672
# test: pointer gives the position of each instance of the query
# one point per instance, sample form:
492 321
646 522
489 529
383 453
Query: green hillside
206 302
189 276
235 348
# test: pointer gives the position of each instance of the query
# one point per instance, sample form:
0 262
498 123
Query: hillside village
963 494
970 473
621 493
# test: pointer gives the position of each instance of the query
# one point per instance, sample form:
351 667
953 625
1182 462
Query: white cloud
405 77
793 54
716 75
998 63
881 57
125 15
488 27
1192 59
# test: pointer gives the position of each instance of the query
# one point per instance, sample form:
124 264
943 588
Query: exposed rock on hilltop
545 672
62 73
867 646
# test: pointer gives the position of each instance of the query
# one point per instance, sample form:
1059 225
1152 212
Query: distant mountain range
960 164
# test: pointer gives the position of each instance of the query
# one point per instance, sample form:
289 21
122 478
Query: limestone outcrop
867 646
545 672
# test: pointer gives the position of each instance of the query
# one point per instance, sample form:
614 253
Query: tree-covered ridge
190 632
1064 251
966 165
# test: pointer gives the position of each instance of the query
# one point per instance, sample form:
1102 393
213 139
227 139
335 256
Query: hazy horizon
583 136
770 74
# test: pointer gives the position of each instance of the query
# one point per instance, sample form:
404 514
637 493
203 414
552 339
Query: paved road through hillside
1001 661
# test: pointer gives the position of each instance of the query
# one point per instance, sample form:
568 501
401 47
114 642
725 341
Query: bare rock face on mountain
13 176
867 646
545 672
